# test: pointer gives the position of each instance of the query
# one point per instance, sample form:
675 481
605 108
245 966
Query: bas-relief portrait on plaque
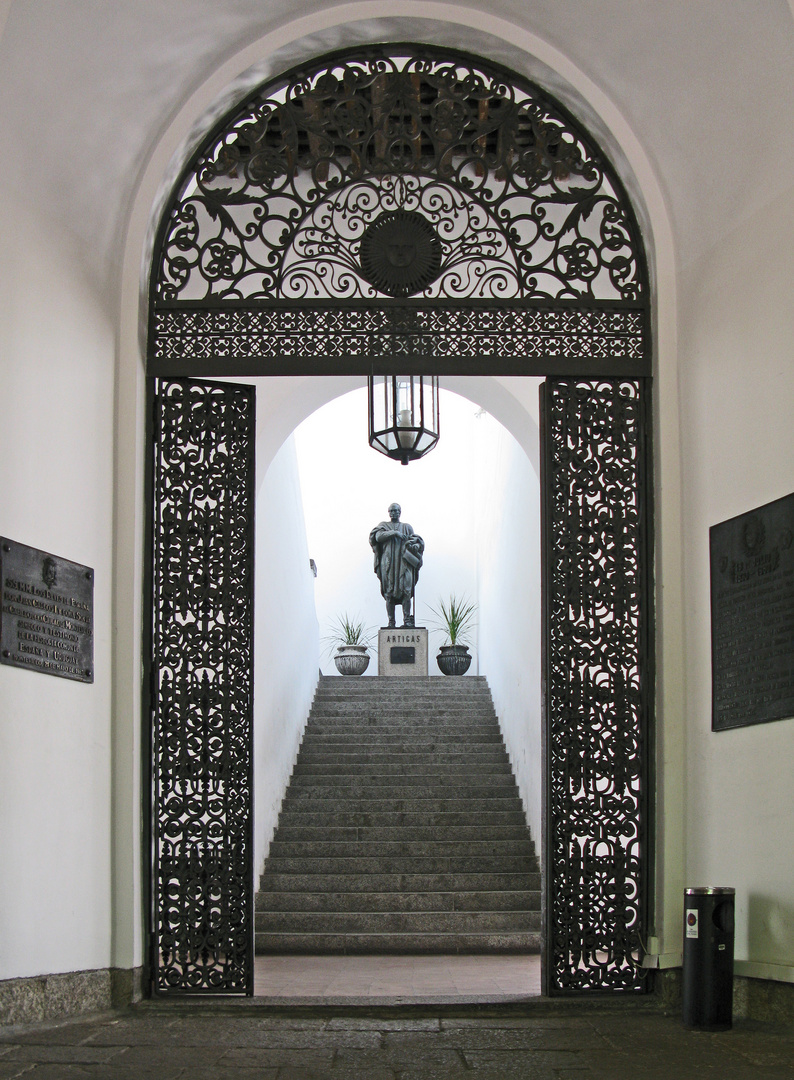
46 612
752 616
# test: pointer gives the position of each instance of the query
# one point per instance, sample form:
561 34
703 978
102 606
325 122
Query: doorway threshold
396 980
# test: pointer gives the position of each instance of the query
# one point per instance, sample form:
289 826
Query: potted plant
455 617
351 640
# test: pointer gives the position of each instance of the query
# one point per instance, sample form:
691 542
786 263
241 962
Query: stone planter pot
351 659
454 659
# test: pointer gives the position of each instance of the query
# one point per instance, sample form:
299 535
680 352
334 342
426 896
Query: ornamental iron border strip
279 339
599 673
201 687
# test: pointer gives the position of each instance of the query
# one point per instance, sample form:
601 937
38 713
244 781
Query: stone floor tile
69 1054
432 1072
496 1023
367 1072
9 1070
61 1071
276 1057
232 1072
371 1023
182 1057
528 1038
520 1064
401 1057
320 1040
762 1048
55 1034
679 1067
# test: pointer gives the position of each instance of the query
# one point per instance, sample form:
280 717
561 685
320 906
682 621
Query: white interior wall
737 320
286 645
508 557
56 493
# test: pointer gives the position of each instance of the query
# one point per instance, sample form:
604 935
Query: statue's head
394 511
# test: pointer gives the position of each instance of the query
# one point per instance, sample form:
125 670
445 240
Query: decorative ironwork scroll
201 681
326 178
281 339
598 673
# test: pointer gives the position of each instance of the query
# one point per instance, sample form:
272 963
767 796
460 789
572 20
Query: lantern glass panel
403 415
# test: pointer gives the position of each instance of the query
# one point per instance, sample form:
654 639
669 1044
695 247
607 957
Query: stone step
423 807
382 834
504 900
397 944
360 791
405 736
310 817
396 864
402 830
277 881
404 849
432 779
396 922
395 684
374 741
464 756
415 713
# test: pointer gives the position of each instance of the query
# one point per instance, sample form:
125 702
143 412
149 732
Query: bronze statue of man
398 558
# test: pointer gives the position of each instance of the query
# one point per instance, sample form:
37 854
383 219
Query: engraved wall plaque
752 616
402 655
46 612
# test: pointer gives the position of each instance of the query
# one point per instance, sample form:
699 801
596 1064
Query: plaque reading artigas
752 616
47 612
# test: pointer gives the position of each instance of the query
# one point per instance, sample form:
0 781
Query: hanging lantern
403 415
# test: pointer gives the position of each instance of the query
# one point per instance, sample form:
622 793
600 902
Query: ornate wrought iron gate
201 687
598 668
404 206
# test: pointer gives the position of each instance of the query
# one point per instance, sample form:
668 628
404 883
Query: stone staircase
402 830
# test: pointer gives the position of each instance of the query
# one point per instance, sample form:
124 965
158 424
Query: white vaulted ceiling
88 87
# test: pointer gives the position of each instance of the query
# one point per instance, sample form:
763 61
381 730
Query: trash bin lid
710 890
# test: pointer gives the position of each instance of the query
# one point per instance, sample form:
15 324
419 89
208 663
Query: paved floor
322 980
538 1041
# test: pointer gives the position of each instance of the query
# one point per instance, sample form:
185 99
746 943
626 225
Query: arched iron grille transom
322 191
406 206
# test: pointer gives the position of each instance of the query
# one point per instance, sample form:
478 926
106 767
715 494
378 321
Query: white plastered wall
737 329
508 566
56 493
478 32
286 639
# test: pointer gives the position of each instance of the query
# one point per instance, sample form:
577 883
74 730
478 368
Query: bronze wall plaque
46 612
401 654
752 616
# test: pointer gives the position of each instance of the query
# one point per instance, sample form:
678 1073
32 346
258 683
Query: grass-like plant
348 630
455 617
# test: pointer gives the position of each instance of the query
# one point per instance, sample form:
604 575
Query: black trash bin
708 958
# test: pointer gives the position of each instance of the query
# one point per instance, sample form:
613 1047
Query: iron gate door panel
597 682
201 682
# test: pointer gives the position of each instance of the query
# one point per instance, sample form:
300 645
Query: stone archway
277 256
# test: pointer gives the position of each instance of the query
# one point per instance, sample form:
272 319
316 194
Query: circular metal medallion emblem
400 253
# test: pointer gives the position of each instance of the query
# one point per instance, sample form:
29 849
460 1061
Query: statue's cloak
398 558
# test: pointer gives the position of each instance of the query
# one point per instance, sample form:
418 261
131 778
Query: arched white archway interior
275 257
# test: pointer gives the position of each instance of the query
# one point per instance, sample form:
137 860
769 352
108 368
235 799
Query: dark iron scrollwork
597 664
202 688
279 339
278 204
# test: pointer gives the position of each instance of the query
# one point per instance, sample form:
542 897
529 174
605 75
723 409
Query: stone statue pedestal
402 651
